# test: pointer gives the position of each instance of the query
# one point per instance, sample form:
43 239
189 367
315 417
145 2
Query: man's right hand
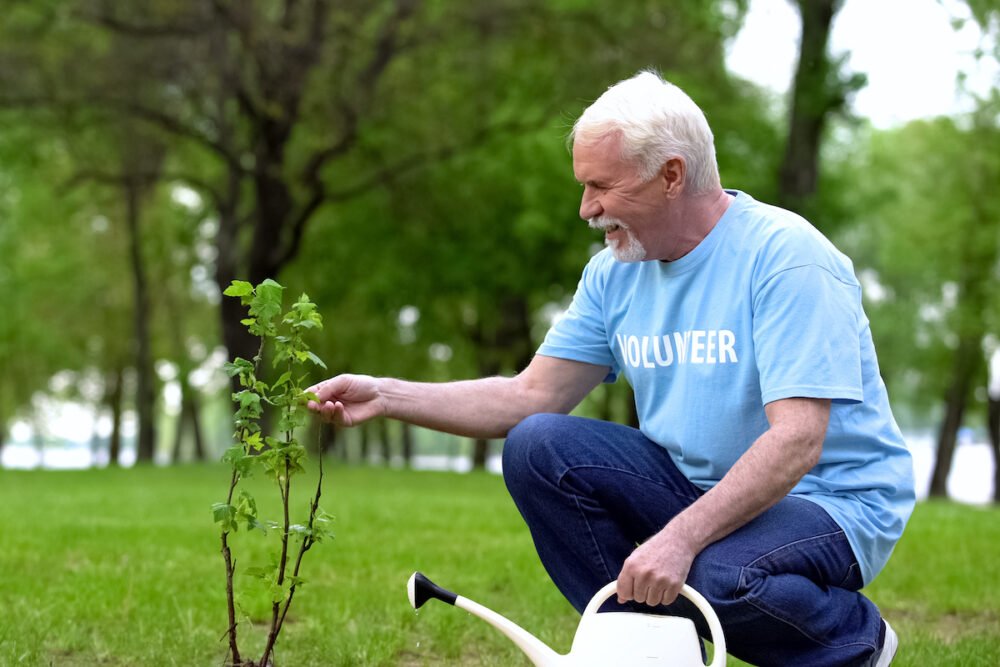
348 400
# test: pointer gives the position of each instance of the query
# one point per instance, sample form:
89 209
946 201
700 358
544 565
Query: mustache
603 222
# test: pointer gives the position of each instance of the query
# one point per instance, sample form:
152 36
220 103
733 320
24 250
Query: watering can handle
718 640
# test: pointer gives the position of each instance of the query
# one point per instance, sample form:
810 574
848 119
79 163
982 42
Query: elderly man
768 471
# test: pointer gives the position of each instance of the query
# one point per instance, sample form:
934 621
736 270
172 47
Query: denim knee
525 445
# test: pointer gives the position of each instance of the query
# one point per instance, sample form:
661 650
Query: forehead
597 159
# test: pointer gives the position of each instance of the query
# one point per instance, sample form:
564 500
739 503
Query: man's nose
590 206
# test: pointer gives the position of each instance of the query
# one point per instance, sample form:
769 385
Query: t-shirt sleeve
806 336
580 334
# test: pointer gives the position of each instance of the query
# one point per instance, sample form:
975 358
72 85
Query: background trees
402 161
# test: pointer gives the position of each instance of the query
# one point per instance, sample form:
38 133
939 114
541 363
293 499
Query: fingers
647 583
333 412
653 593
328 389
625 587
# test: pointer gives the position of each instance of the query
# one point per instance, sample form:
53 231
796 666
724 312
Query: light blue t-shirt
764 308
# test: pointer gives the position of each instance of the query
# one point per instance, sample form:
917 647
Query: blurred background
404 163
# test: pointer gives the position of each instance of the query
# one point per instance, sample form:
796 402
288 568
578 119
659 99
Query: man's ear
672 175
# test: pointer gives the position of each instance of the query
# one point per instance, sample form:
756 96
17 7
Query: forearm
769 470
485 408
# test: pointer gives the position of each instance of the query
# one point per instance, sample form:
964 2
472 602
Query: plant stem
230 570
282 565
307 541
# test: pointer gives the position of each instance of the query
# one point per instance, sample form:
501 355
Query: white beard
629 251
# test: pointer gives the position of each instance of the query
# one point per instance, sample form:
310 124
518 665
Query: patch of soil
948 626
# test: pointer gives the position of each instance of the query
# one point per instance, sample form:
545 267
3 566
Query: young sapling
278 457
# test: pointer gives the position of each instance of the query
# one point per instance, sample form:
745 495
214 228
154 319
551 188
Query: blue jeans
785 586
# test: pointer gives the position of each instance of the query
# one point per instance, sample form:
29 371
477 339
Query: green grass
121 567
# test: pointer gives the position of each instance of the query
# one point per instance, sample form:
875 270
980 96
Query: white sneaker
889 646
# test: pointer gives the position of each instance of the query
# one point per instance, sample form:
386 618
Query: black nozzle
421 589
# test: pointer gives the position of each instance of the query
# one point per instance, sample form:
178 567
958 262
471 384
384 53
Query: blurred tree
930 232
987 14
820 90
57 252
139 162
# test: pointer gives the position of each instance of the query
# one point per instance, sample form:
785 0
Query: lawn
121 567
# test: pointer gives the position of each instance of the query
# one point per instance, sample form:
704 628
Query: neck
693 218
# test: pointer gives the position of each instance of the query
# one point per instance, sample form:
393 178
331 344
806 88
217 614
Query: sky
908 48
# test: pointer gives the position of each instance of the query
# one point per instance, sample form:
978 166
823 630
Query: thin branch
288 14
157 117
308 540
387 47
177 127
320 195
244 31
144 177
145 31
230 573
392 172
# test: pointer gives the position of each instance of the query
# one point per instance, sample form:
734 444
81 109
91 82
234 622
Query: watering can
629 639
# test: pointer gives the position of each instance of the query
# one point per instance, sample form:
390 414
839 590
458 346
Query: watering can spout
421 589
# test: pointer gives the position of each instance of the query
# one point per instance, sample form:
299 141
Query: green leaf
247 505
258 572
225 515
254 522
298 529
249 403
307 324
266 303
237 457
253 441
239 288
285 377
316 360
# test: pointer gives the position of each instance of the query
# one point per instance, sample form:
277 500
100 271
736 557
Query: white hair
657 121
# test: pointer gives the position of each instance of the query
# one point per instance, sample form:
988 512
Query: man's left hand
656 570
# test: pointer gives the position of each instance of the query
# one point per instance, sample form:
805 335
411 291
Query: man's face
616 200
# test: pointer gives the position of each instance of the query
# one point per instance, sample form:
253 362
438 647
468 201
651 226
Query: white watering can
626 639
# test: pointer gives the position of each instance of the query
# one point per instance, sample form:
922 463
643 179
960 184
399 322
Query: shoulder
780 240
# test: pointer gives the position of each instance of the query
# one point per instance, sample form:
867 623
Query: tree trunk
993 424
144 400
385 451
365 441
175 451
407 445
480 450
816 93
194 418
114 398
963 370
188 420
505 346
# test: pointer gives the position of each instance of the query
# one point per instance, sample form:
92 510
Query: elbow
801 453
537 397
813 450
